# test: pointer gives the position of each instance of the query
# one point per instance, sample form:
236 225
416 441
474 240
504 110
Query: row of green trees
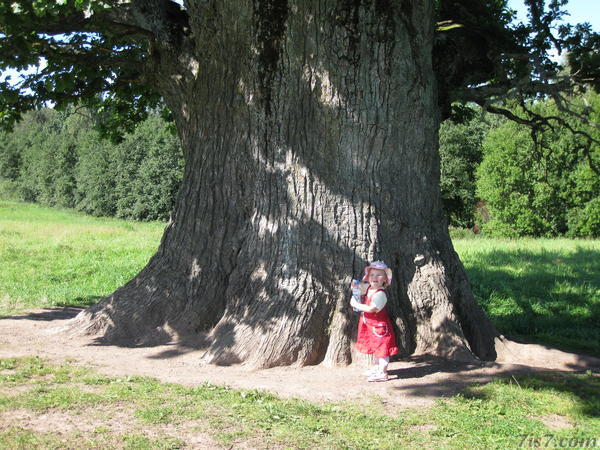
59 159
493 177
496 178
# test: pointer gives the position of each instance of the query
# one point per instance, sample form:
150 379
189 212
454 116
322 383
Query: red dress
375 332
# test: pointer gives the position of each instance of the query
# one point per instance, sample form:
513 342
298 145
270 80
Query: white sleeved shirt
379 300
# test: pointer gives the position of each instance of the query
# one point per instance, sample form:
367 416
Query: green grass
55 257
541 290
160 415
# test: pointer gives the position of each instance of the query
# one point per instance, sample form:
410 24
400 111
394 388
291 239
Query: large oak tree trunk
311 150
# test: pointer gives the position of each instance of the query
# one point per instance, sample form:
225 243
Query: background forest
496 178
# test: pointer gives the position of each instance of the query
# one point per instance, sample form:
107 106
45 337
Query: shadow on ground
82 301
437 378
61 311
48 314
552 299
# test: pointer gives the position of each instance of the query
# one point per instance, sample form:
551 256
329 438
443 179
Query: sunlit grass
56 257
543 290
495 415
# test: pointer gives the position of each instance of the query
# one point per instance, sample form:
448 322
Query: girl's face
377 278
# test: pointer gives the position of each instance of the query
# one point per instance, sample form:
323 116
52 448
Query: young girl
375 333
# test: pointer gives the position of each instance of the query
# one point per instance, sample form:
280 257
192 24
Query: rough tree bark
310 138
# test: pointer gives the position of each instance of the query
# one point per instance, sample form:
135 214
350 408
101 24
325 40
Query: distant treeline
493 178
59 159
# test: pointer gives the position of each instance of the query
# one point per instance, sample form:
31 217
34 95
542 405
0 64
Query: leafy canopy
106 53
74 51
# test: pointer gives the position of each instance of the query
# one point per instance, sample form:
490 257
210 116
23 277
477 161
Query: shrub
149 169
585 221
95 176
460 154
9 190
545 191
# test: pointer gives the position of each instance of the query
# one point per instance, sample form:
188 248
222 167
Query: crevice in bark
270 18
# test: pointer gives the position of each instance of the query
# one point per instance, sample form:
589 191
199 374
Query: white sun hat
381 266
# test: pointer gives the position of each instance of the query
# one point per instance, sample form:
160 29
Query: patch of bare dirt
13 391
555 422
414 382
64 422
112 418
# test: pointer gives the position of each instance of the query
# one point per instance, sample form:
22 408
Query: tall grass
55 257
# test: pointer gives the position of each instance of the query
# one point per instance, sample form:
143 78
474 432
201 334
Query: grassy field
69 406
54 257
542 290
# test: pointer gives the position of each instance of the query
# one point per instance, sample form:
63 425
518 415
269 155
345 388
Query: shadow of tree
187 345
435 377
548 297
48 314
81 301
59 311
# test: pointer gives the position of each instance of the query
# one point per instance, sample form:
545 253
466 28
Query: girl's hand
354 303
364 287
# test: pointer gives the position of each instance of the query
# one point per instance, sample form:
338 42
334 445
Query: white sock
383 364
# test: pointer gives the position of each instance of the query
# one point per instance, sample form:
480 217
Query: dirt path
415 381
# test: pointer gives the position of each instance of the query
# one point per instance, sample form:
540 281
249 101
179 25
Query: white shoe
379 376
372 371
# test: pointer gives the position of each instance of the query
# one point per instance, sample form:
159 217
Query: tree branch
118 22
538 122
510 89
109 59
